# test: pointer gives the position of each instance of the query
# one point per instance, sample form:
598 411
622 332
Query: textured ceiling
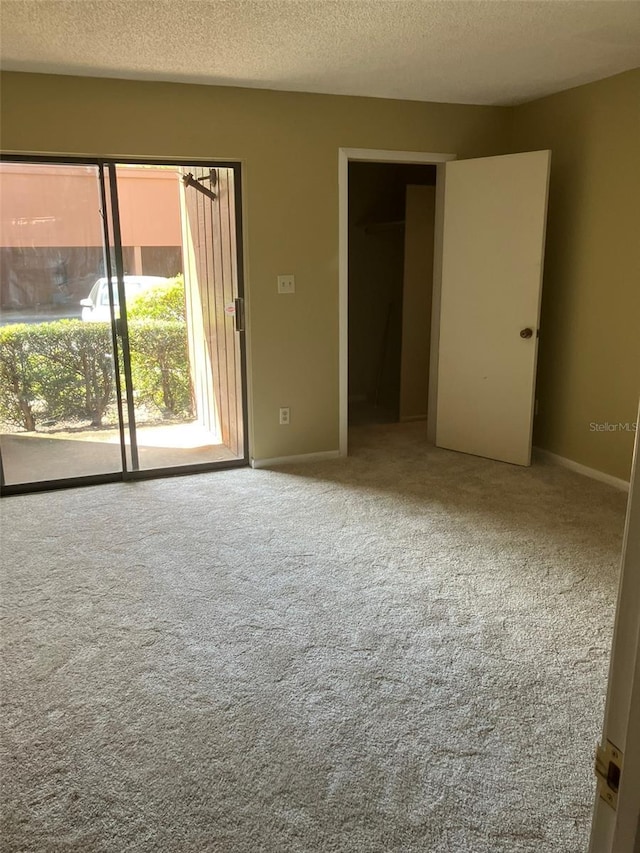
462 51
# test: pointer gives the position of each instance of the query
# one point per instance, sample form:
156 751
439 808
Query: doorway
347 157
391 250
488 253
122 351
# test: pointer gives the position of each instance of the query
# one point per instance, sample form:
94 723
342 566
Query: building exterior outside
52 247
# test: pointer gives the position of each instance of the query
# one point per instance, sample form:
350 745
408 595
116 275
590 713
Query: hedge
160 365
159 352
64 370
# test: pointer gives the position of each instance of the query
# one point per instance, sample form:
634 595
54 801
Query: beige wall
289 144
589 365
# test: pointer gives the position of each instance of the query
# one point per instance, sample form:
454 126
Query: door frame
619 831
102 162
376 155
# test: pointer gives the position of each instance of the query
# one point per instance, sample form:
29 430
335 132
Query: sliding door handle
239 314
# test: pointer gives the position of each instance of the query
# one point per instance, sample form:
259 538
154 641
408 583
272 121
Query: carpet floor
405 650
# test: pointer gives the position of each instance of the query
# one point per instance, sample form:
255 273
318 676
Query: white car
96 306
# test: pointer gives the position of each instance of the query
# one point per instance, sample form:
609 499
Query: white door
492 252
619 831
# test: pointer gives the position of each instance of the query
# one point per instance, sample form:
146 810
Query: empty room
319 388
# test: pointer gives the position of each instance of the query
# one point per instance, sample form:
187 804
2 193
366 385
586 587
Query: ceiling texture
460 51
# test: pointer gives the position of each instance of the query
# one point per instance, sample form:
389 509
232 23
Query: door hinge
608 770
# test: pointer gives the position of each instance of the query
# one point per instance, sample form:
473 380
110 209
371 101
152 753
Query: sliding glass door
121 321
184 317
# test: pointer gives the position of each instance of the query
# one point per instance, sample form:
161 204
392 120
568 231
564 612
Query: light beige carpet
402 651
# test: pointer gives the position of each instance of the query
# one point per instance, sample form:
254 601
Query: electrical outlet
285 416
286 284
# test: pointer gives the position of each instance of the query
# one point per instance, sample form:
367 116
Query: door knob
526 333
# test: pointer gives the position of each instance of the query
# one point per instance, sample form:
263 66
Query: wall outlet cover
286 284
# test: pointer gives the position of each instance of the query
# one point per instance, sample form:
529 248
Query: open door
492 253
616 816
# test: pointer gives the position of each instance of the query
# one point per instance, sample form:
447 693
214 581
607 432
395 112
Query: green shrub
159 350
73 367
160 364
64 370
17 394
60 370
161 302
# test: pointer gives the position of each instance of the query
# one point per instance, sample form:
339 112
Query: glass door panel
58 392
178 304
108 306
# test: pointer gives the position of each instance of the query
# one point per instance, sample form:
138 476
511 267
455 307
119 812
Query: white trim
436 299
614 832
343 298
295 460
248 349
377 156
593 473
384 155
627 829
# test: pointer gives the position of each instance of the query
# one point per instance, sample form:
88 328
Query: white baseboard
609 479
294 460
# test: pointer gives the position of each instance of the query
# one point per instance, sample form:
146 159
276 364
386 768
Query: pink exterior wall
149 206
47 205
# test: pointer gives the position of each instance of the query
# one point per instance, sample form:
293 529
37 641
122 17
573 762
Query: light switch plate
286 284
